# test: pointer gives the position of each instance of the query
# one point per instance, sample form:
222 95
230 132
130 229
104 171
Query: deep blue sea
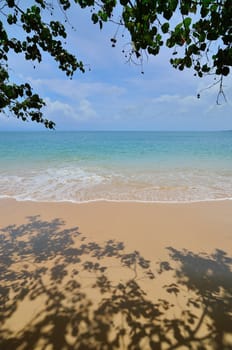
136 166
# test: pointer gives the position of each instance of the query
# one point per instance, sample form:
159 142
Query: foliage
198 32
35 37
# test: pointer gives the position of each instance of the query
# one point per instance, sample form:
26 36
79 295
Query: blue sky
114 95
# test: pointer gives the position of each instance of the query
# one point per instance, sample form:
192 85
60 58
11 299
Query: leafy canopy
198 32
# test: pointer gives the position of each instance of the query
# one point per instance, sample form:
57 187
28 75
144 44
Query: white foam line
117 200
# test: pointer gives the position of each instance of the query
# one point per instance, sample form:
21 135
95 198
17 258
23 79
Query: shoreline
100 200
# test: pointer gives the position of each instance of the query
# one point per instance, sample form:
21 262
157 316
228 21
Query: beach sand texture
115 275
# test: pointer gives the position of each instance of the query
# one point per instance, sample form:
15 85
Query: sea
146 166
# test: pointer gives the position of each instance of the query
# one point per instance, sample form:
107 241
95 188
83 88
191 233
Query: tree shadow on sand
60 291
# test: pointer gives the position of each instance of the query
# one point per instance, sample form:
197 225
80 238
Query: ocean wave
79 184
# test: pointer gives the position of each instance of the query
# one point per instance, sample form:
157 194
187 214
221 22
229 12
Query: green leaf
170 42
185 8
204 11
35 9
10 3
188 61
173 4
167 14
206 3
94 18
225 70
213 35
187 21
103 16
165 27
11 19
203 46
124 2
205 68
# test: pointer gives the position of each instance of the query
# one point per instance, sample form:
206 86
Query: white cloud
86 111
74 89
80 112
54 107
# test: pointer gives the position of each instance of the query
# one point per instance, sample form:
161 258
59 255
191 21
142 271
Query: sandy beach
116 275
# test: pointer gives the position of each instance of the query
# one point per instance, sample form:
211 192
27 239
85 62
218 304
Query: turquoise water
141 166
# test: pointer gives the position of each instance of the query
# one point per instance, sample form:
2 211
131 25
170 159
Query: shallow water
140 166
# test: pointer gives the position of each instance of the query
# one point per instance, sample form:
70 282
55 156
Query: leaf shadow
59 290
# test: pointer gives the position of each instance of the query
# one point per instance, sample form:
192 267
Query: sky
113 94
